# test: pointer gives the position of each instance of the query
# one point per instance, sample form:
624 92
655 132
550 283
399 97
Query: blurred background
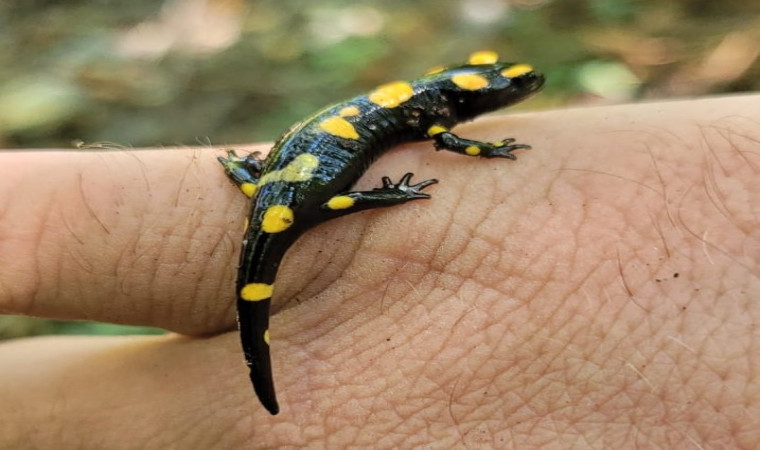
106 73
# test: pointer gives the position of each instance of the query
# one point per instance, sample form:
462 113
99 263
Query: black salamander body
307 177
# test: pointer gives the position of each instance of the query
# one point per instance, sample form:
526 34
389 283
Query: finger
100 392
139 237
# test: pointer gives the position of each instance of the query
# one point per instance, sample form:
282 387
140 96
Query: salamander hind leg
446 140
388 195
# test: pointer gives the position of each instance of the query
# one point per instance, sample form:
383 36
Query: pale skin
601 291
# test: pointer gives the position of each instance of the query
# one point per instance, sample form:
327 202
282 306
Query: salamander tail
253 316
262 384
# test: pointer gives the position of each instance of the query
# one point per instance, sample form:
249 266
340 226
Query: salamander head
485 84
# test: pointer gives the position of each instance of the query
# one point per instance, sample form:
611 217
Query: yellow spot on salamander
338 126
470 81
340 202
517 70
300 169
248 189
435 70
436 129
483 57
255 292
392 94
266 336
349 111
246 223
277 218
472 150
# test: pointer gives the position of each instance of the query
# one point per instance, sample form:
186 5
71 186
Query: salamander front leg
446 140
388 195
244 172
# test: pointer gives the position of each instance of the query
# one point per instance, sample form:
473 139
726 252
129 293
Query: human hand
596 292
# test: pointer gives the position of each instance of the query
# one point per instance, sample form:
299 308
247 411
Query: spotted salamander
307 176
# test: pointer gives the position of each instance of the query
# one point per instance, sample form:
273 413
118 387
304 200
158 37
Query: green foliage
228 71
15 326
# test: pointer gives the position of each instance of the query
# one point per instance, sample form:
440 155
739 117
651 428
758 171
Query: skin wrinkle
227 244
570 384
88 207
93 174
337 349
702 238
194 236
336 323
741 153
26 238
170 259
709 150
472 266
385 288
712 192
474 372
188 169
39 259
420 419
440 358
719 185
348 351
449 213
219 290
338 266
451 244
199 238
145 257
541 397
560 357
504 256
222 434
79 258
440 364
655 224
